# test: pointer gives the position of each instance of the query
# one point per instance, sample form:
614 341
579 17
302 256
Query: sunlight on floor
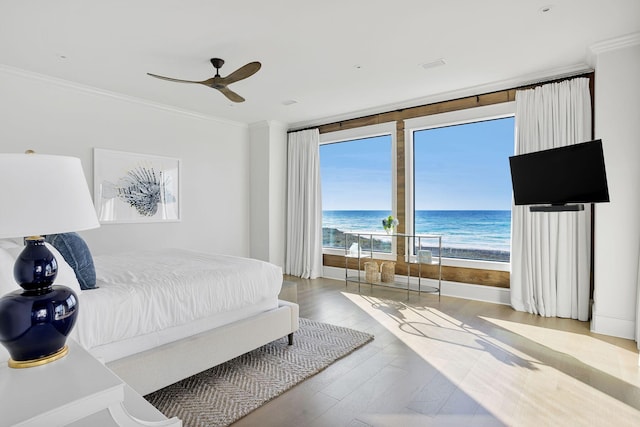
596 353
495 360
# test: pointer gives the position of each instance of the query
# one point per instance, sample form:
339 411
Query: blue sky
457 168
355 176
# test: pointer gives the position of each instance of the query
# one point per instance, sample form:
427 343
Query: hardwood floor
456 363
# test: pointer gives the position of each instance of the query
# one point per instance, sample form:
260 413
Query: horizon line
440 210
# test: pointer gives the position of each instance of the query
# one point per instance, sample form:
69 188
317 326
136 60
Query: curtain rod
527 85
301 129
557 79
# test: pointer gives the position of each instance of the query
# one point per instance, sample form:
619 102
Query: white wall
259 205
617 224
278 205
54 117
268 191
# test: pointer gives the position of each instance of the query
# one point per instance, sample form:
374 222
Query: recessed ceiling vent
433 64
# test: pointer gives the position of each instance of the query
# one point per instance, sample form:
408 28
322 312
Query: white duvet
144 293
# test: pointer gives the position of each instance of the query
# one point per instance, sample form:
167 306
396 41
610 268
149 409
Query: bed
158 316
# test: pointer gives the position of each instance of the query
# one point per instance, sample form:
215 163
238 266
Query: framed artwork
131 187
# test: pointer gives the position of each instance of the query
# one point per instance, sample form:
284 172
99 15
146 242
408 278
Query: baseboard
477 292
606 325
452 289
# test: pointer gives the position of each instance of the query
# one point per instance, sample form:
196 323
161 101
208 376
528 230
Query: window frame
363 132
465 116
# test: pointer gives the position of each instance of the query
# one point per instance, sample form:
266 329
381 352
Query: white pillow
7 282
11 243
66 276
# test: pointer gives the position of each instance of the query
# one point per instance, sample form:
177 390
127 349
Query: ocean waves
463 232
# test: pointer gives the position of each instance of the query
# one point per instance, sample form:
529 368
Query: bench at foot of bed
154 369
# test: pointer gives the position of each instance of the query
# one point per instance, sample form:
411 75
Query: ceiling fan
220 83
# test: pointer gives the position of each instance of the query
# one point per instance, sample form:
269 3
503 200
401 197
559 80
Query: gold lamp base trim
19 364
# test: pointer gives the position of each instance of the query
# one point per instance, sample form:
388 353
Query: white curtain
551 252
638 311
304 205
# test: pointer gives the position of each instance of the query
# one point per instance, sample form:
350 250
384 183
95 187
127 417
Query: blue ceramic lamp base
35 322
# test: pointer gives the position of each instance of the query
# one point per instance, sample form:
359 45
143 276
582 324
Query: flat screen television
560 176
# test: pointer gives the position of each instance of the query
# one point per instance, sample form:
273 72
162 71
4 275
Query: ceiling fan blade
171 79
242 73
218 82
231 94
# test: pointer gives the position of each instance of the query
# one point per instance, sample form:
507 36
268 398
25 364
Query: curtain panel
304 206
638 311
551 252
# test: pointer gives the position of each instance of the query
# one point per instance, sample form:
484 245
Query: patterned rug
223 394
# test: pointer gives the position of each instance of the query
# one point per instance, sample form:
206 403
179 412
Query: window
358 184
461 185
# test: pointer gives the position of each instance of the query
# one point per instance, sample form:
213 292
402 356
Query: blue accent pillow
75 251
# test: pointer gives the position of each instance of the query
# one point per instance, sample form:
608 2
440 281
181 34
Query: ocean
477 231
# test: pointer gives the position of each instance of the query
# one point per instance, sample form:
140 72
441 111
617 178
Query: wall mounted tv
560 178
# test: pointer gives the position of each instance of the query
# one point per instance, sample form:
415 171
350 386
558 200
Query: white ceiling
335 58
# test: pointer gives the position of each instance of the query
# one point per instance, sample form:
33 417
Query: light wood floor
456 363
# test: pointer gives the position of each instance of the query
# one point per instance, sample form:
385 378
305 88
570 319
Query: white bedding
149 298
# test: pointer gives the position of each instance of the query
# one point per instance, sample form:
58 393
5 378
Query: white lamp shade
43 194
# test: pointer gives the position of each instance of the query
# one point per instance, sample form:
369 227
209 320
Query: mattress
149 298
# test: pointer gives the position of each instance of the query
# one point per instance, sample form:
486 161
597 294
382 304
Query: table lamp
40 194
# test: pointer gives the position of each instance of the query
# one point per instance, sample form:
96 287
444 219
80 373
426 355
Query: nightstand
75 390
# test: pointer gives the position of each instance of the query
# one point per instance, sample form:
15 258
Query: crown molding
525 80
615 44
114 95
611 45
268 124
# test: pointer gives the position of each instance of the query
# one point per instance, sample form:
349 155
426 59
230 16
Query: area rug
223 394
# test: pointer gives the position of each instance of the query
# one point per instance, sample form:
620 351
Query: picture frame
135 188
